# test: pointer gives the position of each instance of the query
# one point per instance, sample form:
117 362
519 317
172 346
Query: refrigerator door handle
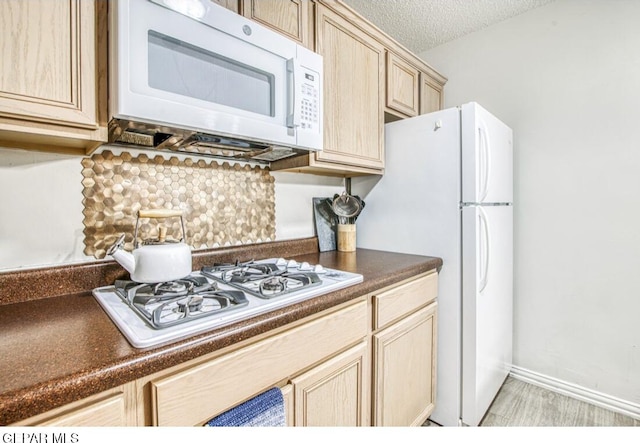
485 161
484 241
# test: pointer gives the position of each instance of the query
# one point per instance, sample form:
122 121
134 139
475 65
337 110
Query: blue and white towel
266 409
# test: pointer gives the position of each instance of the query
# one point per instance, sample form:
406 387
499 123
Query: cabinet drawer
108 412
114 407
196 394
392 305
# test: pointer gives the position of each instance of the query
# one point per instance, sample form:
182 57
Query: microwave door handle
293 111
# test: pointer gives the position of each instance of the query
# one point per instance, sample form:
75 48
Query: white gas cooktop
140 332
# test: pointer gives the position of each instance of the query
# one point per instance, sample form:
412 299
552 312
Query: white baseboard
578 392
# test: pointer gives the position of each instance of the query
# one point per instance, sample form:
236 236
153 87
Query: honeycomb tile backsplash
222 205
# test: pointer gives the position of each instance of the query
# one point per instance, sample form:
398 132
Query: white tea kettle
156 261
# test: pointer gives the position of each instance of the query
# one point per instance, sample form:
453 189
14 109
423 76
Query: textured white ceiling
420 25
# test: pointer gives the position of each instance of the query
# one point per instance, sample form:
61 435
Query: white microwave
189 75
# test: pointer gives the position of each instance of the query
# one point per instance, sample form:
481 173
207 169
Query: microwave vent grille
159 138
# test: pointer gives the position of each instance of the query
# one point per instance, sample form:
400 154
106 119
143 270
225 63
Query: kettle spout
123 257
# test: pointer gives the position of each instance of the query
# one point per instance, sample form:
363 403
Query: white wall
41 208
566 78
294 202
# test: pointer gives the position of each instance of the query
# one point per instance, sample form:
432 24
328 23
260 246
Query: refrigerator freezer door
414 209
417 198
487 306
487 157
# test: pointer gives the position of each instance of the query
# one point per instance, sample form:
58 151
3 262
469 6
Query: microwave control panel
310 102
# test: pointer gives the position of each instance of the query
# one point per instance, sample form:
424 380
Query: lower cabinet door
405 362
335 392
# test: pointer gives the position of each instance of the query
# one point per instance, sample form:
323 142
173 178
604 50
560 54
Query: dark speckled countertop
58 345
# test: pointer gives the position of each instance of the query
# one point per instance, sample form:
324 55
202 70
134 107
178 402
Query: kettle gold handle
159 213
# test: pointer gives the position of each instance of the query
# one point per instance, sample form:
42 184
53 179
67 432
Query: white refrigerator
447 191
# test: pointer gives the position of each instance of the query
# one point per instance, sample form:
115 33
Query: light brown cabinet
336 392
115 407
410 91
405 360
192 394
431 99
53 75
403 82
353 91
291 18
350 367
404 353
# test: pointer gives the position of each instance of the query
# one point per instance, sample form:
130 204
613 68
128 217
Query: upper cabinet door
403 82
353 92
430 94
50 75
288 17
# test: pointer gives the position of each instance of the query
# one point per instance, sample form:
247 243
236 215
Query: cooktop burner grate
170 303
264 280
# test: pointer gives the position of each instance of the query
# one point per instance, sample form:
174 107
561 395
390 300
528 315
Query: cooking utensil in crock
353 219
346 206
158 260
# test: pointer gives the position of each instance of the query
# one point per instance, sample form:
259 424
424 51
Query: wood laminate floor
523 404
